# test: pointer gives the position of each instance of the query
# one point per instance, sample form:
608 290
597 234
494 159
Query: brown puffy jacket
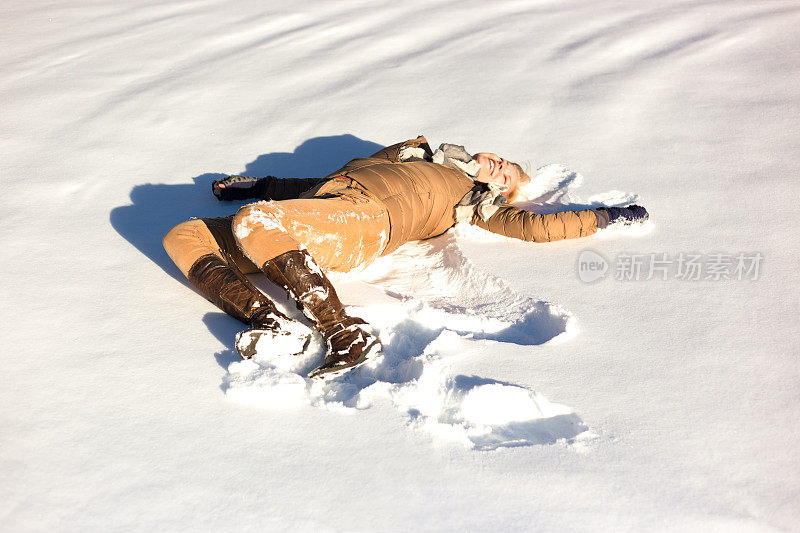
421 197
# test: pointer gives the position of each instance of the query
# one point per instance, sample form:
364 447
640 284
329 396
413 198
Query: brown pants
341 226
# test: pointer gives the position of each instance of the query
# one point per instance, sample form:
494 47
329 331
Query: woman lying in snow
364 210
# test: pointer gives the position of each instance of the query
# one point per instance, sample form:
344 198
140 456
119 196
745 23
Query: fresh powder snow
645 378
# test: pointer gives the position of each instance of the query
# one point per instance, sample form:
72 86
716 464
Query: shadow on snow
157 207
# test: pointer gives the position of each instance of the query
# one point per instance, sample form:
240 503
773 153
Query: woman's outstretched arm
267 188
520 224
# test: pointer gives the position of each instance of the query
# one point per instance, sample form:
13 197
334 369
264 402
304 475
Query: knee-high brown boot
348 344
227 288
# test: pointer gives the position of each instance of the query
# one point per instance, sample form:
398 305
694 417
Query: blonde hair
524 179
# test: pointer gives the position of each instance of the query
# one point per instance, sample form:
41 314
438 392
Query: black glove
628 215
237 188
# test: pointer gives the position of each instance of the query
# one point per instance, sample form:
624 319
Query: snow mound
553 188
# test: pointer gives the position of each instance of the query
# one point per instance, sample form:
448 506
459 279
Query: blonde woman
364 210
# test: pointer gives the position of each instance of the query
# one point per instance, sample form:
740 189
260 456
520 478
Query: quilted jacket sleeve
520 224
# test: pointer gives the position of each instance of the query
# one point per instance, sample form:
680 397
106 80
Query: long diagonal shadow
154 208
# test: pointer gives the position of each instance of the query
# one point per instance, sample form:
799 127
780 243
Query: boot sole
281 343
334 372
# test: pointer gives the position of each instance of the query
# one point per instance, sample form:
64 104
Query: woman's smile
495 169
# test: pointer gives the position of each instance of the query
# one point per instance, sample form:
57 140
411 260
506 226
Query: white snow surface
510 395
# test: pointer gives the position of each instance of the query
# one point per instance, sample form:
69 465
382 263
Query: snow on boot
349 344
227 288
284 337
348 347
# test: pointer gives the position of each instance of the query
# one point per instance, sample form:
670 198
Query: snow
511 394
438 309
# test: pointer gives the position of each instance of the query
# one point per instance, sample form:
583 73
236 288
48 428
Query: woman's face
495 169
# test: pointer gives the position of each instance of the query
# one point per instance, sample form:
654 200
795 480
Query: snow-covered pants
341 226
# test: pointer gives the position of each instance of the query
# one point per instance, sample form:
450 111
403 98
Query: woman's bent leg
189 241
205 259
205 251
290 240
349 344
341 232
